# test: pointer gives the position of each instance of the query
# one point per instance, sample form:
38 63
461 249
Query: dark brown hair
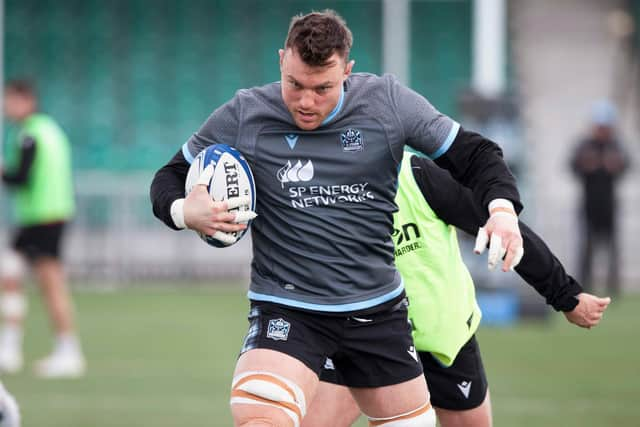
21 87
316 36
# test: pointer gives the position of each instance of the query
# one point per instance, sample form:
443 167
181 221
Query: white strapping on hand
206 175
496 251
224 237
245 216
481 241
517 258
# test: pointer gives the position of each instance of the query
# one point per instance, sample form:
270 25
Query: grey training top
325 198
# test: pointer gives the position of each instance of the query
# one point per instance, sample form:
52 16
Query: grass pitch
160 358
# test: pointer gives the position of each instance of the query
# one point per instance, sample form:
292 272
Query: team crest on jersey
351 140
278 329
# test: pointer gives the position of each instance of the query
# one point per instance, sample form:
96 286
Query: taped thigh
13 305
12 265
268 389
424 416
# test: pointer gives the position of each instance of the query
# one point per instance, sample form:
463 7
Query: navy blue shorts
459 387
372 350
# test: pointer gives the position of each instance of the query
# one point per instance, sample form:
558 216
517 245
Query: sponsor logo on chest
297 175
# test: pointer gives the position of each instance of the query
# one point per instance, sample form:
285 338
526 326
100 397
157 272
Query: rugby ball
232 178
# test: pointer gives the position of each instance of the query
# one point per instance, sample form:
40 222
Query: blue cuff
447 142
186 153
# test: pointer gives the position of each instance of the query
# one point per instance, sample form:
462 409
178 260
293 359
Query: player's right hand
589 310
213 218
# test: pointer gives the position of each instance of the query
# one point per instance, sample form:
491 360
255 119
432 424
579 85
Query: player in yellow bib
38 171
442 305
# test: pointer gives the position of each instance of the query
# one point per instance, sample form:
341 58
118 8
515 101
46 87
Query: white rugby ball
231 178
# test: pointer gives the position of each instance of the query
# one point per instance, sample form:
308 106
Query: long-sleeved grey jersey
325 198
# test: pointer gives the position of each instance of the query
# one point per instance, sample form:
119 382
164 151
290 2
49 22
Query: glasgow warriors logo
278 329
351 140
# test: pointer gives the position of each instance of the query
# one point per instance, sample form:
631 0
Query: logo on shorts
465 388
278 329
328 364
413 353
351 140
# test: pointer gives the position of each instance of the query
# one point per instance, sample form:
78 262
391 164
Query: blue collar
336 109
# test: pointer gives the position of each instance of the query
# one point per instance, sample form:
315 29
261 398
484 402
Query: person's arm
615 160
477 163
20 175
454 204
197 211
541 269
473 160
167 187
546 274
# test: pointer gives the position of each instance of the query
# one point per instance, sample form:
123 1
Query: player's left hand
503 235
589 310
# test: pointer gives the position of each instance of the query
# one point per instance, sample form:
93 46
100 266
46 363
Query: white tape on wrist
177 213
497 206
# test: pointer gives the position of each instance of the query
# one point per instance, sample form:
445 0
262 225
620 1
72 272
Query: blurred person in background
599 161
38 170
443 310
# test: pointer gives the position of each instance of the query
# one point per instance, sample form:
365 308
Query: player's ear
348 68
281 55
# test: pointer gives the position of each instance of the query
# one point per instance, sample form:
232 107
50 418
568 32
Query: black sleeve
168 186
451 202
490 178
454 204
541 269
27 154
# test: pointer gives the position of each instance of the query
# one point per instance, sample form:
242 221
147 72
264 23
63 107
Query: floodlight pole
2 31
489 47
396 25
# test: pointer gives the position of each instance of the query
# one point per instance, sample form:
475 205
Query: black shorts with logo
458 387
37 241
368 350
461 386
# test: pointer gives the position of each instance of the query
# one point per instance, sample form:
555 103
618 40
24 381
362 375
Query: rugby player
442 305
322 248
38 170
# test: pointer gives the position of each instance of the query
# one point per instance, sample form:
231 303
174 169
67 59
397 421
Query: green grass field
165 358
